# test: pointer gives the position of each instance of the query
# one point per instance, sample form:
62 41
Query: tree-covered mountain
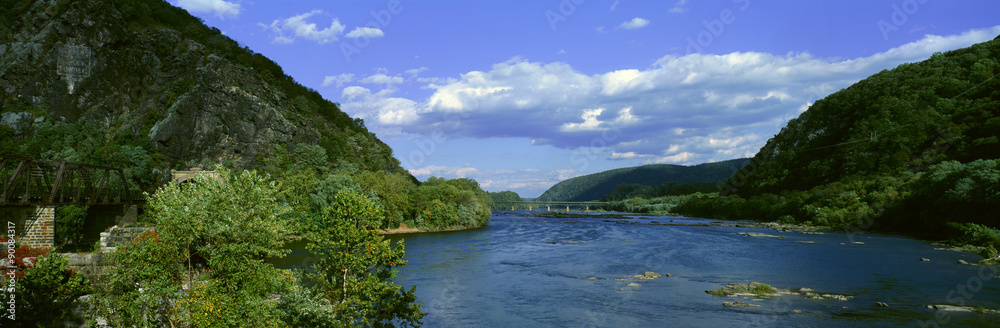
99 75
907 149
145 86
596 186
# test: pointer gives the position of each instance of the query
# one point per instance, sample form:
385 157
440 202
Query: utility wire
873 138
976 86
890 130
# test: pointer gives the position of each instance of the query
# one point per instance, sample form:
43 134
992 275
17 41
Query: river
528 271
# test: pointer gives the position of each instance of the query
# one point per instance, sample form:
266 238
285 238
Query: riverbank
405 229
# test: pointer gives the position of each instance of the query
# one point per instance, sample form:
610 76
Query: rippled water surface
516 273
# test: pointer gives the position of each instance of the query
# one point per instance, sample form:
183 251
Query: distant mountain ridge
595 186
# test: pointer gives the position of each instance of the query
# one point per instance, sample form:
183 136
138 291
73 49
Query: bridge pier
39 227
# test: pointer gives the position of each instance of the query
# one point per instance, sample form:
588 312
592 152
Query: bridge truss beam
33 182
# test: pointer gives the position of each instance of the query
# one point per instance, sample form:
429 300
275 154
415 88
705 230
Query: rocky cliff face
80 59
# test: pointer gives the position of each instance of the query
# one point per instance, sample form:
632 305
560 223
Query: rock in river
649 275
739 304
756 234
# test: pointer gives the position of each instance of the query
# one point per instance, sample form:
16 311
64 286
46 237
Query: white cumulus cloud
339 80
678 7
634 24
220 8
368 32
286 30
684 110
415 71
381 78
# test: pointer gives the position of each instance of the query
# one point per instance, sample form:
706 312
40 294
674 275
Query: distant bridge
532 205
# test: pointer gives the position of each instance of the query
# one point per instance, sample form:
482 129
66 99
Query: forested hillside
126 82
907 149
145 86
596 186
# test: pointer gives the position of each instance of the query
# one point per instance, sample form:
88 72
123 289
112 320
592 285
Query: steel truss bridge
28 182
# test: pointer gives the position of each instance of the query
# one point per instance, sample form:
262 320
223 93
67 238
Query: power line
976 86
875 136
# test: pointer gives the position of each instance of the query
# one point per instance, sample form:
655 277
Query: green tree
354 265
212 237
322 197
437 202
393 192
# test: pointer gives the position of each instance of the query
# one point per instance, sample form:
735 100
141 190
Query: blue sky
520 95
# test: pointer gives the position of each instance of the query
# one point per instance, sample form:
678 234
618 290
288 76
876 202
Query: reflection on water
516 273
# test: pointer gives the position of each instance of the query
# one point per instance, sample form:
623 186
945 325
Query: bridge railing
546 205
27 181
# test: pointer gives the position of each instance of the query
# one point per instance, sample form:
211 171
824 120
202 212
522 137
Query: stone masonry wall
39 227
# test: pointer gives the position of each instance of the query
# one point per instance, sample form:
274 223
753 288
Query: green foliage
47 293
88 142
922 113
212 235
310 157
598 185
438 202
977 234
505 196
354 266
658 205
717 292
295 190
626 191
69 224
142 284
326 190
341 137
137 164
763 289
301 307
954 192
392 191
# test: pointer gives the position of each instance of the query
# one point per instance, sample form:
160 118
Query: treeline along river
580 271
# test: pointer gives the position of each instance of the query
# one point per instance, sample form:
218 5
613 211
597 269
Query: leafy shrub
213 236
47 293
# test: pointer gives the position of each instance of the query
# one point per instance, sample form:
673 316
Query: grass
717 292
755 288
763 289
